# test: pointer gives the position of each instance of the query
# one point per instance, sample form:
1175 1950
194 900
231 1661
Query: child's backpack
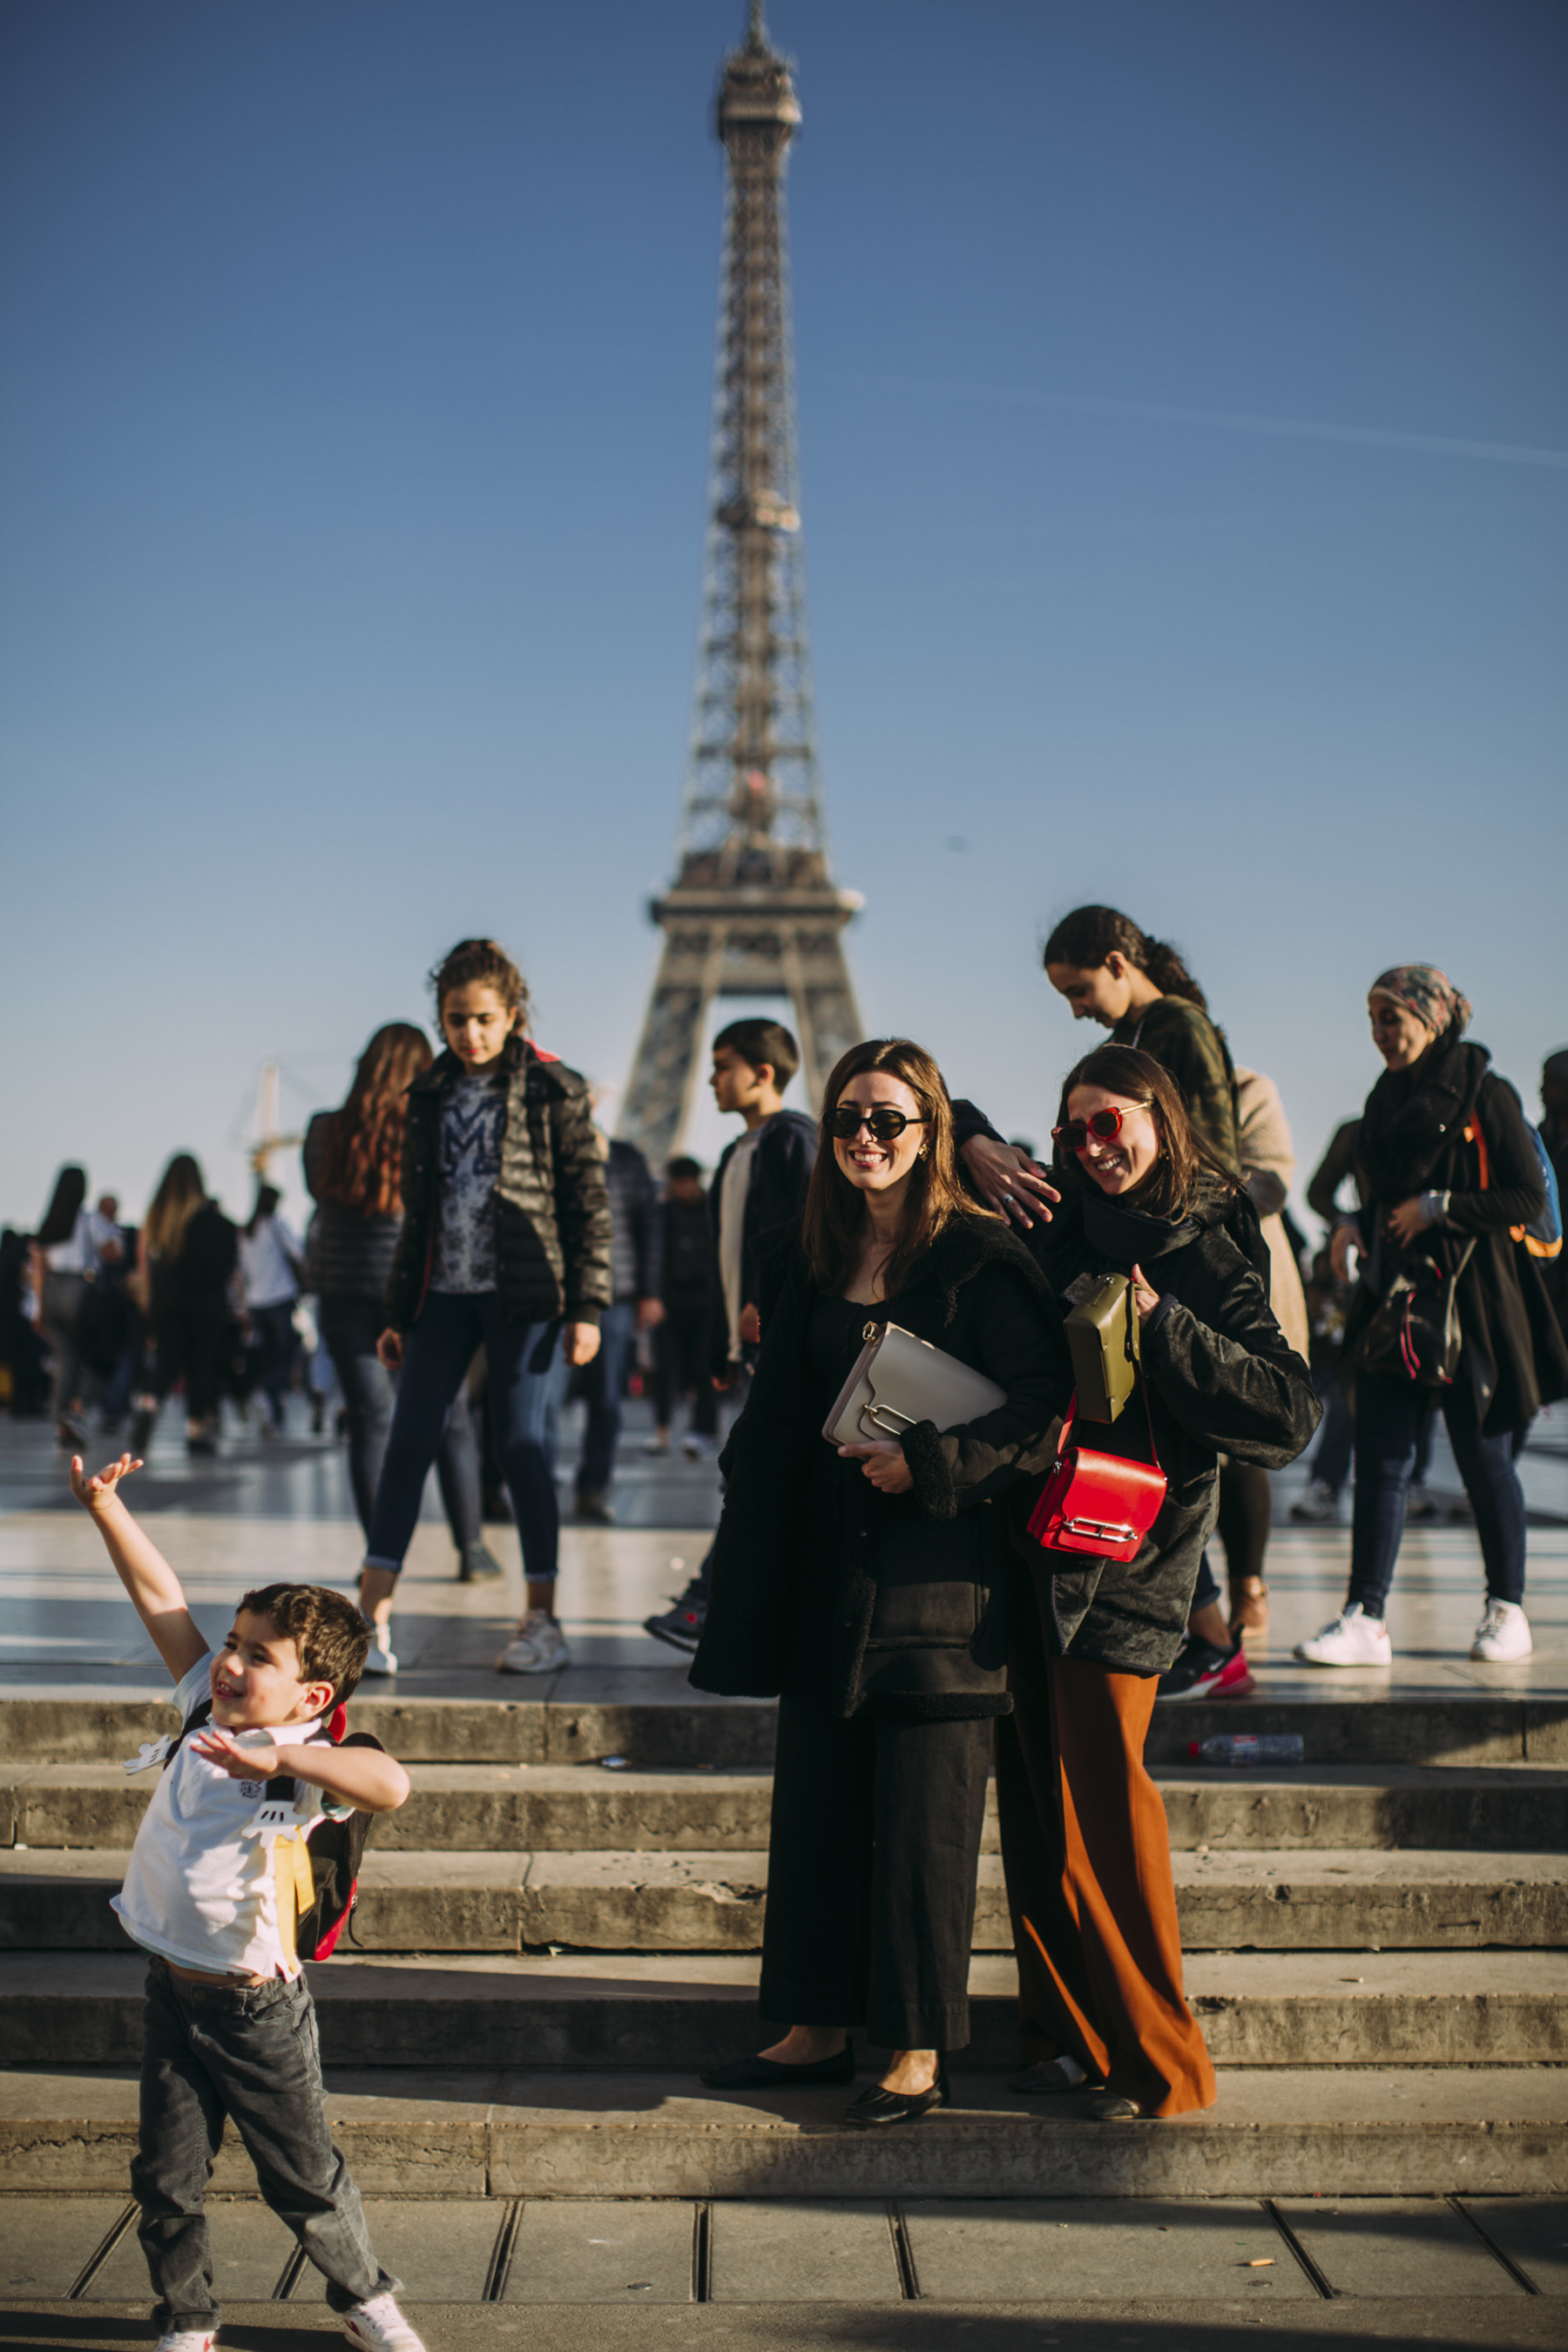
335 1847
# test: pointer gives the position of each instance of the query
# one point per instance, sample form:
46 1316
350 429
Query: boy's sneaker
1202 1670
187 2339
538 1647
1319 1506
381 1658
379 2326
655 1445
1502 1633
697 1447
1349 1639
681 1625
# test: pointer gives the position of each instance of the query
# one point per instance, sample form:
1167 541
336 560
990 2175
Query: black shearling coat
552 1211
1220 1377
840 1598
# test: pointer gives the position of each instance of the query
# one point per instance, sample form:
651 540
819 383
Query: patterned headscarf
1424 991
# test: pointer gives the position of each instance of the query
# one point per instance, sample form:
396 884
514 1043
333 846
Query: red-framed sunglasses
1101 1124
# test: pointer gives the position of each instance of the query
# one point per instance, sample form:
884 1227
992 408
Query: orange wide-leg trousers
1087 1860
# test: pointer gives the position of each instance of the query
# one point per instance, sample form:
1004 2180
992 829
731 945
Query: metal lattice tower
753 911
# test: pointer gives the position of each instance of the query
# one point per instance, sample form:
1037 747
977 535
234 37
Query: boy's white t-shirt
203 1889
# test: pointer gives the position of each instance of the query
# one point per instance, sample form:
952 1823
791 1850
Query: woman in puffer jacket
1453 1177
1084 1841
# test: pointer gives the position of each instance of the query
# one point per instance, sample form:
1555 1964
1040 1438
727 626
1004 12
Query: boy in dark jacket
680 1342
759 1185
636 1236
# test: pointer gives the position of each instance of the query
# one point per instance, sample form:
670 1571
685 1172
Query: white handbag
899 1380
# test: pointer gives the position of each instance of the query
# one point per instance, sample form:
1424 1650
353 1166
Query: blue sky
1184 425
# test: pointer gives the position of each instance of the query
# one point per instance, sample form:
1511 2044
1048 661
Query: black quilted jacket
552 1211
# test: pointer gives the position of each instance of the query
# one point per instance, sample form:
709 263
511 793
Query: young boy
212 1896
760 1184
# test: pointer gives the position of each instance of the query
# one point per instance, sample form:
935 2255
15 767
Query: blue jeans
522 1383
249 2053
1388 1428
351 1326
604 1385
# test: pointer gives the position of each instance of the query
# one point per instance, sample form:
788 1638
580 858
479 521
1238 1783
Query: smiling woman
873 1604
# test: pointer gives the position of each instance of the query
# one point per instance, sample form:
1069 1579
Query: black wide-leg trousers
871 1867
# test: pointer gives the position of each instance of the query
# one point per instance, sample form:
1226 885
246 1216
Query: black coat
1412 1140
552 1211
1219 1376
781 1170
637 1251
842 1598
348 1254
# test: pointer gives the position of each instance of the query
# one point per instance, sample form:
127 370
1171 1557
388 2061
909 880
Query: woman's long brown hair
1169 1188
182 1190
364 1158
835 1226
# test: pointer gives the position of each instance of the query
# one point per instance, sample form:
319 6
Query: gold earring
924 1151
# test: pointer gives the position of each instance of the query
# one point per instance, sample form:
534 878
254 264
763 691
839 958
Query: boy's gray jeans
250 2052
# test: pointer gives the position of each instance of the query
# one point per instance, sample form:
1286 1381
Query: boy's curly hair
325 1627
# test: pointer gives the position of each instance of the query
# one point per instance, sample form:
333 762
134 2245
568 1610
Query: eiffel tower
753 911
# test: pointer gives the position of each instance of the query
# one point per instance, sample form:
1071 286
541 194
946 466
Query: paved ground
259 1512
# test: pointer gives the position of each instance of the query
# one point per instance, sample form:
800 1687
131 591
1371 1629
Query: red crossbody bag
1095 1504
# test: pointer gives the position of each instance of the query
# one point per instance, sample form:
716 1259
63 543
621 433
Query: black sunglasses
885 1123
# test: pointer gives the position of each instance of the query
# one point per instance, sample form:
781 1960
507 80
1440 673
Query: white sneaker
1317 1506
187 2339
379 2326
381 1658
1349 1639
538 1647
1502 1633
696 1447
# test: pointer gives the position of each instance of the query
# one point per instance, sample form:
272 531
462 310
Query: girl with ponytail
1141 991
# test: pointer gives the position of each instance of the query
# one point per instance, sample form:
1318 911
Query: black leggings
1245 1505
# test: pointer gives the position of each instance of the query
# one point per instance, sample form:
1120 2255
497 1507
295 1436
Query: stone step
573 1809
658 2012
1275 2132
654 1718
1326 1899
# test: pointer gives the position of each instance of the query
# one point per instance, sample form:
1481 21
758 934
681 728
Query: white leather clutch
899 1380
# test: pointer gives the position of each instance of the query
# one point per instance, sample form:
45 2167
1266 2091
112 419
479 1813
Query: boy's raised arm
154 1589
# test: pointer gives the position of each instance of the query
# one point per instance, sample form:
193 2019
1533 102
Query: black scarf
1412 1116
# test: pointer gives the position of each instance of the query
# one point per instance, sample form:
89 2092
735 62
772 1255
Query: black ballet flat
1046 2076
773 2074
875 2107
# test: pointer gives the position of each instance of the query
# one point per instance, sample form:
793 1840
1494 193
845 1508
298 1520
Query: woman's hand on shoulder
884 1465
1145 1298
1009 1182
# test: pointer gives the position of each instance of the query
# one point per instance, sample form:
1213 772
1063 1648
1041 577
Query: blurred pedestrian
1553 1132
1246 1494
271 1263
681 1339
71 1251
1140 989
1451 1168
505 1243
636 1239
352 1159
21 1358
186 1260
760 1185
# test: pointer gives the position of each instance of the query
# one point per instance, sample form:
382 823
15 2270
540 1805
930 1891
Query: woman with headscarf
1452 1177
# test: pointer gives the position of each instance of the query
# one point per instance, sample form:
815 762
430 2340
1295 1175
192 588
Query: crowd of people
929 1594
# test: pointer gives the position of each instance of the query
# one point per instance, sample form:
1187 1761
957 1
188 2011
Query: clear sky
1184 425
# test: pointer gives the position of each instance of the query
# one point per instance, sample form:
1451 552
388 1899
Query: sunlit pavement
261 1510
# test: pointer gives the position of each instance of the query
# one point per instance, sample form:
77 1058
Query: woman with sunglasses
864 1586
1084 1841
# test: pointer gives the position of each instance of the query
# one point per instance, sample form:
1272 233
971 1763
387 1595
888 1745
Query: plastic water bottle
1249 1748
